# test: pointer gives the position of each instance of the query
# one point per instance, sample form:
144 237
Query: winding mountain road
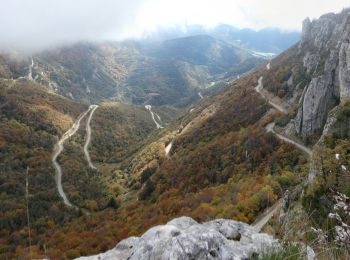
58 150
270 128
88 137
259 89
274 208
268 66
149 108
160 120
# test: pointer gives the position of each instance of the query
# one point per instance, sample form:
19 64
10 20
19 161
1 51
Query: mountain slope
32 120
179 68
273 139
224 163
169 73
203 50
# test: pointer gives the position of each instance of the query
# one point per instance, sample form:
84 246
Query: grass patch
291 252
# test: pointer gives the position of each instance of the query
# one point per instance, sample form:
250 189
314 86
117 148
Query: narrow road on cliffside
261 222
88 136
58 150
270 128
268 214
259 89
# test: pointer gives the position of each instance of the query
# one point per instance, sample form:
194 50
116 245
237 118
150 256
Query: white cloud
257 14
36 24
289 14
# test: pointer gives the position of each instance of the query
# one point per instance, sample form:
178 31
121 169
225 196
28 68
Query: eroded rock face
317 102
183 238
344 71
325 46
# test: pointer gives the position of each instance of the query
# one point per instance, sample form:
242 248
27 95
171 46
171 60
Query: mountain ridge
133 72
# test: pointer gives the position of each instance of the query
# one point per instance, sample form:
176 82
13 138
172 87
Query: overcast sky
37 24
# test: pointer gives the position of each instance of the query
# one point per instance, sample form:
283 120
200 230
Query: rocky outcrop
316 104
344 71
325 51
311 61
184 238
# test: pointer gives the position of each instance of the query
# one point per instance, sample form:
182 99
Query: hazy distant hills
266 40
216 55
270 40
169 67
168 72
177 69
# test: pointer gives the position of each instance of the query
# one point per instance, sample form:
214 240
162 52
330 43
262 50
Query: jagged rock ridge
325 49
184 238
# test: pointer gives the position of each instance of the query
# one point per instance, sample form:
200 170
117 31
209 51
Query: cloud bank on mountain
37 24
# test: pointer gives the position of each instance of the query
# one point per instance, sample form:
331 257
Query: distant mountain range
168 67
269 40
169 72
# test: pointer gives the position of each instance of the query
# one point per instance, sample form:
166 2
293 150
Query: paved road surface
270 128
149 108
259 89
58 150
267 216
88 137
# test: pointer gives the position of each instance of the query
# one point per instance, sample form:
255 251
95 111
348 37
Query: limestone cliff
325 51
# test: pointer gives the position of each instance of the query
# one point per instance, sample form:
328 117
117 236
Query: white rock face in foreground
183 238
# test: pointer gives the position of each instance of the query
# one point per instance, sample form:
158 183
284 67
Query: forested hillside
32 121
224 166
116 138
